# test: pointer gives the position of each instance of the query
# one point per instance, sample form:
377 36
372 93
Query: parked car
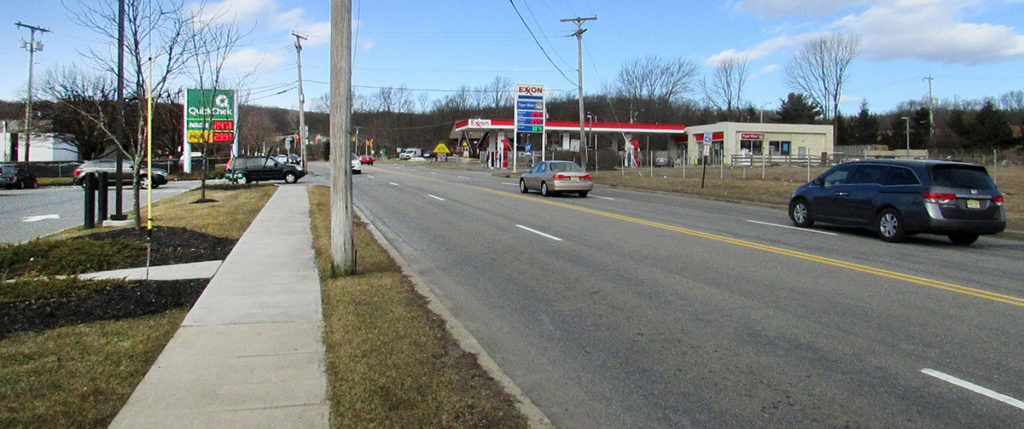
897 198
366 160
14 176
109 166
428 154
245 169
552 177
357 165
662 161
410 153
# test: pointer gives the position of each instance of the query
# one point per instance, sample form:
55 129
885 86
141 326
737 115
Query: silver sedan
552 177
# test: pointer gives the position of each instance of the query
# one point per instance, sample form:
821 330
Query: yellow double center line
952 287
992 296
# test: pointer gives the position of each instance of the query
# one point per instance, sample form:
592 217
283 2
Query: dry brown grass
80 376
390 361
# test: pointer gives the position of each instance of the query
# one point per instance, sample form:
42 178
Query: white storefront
746 143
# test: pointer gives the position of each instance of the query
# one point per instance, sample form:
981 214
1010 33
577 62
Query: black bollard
101 198
90 201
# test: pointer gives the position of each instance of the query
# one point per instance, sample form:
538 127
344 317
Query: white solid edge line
791 227
370 176
435 197
534 415
975 388
603 198
510 184
394 184
539 233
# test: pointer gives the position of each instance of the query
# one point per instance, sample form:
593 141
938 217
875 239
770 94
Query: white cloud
760 50
248 60
931 30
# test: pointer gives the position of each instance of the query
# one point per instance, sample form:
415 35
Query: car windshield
962 176
565 166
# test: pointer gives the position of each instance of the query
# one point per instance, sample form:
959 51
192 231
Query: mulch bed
135 298
173 245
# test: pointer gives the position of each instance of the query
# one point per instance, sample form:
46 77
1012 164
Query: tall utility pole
119 125
579 49
343 254
32 46
302 99
931 110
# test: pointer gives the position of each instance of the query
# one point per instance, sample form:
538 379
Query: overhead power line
539 45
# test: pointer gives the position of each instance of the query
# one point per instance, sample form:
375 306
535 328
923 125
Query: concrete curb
534 415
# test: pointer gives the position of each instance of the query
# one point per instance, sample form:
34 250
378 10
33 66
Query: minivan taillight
938 197
998 199
77 173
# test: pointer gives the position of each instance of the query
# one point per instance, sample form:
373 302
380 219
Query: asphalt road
633 309
29 213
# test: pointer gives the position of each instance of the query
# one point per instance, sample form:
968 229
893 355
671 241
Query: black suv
896 198
245 169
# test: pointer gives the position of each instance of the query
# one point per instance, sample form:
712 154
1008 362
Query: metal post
90 201
32 48
101 199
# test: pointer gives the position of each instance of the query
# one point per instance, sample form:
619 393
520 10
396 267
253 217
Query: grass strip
390 361
81 375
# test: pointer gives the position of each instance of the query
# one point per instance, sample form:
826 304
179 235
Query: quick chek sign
210 115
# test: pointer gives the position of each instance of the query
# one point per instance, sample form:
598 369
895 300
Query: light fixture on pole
32 46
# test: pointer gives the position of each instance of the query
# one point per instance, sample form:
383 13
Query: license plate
574 179
973 204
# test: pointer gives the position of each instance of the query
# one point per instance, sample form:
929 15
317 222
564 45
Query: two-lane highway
638 309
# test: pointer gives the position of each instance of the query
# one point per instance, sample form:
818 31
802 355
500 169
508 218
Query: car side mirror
818 181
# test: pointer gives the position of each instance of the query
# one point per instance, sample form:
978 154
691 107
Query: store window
753 147
780 147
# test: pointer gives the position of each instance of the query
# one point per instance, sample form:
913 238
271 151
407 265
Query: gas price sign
530 117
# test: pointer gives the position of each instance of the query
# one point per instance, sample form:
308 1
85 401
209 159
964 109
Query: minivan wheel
522 186
963 238
544 189
800 214
289 177
890 226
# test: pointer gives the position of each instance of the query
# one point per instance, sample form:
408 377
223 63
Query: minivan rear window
961 176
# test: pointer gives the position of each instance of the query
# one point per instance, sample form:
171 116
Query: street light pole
907 119
32 46
579 49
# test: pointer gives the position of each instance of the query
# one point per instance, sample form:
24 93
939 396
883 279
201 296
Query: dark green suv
245 169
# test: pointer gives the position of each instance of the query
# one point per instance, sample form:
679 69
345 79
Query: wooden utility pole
579 43
302 100
343 253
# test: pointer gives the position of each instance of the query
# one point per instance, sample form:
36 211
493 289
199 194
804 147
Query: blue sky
972 48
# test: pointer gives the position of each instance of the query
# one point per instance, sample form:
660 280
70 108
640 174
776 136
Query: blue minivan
896 198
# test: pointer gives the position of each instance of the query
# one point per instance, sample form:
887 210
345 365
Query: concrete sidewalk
250 352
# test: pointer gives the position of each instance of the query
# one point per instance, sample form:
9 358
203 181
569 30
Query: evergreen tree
864 127
795 109
991 129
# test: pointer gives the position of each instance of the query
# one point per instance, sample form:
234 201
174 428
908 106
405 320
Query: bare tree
499 93
819 69
210 41
79 97
652 84
161 26
725 91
